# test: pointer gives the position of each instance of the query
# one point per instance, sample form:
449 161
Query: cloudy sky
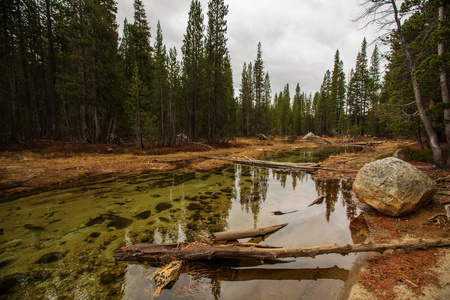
299 37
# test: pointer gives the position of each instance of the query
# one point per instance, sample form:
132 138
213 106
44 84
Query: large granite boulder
393 186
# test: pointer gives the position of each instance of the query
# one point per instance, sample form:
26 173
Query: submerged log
143 252
309 167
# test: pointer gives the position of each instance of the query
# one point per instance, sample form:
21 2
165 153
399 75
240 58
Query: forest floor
43 165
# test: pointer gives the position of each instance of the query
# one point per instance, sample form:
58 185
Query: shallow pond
60 244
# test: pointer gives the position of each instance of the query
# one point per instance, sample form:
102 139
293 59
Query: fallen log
144 252
248 233
270 164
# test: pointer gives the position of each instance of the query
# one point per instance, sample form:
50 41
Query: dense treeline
66 75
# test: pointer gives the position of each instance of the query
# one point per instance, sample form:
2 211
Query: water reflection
82 228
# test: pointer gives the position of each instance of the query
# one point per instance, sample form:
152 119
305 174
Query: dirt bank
400 275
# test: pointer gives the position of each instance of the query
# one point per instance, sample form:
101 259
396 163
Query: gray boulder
393 187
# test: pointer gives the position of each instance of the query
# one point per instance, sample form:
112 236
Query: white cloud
299 38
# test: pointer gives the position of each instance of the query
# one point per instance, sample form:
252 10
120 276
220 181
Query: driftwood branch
319 200
249 233
143 252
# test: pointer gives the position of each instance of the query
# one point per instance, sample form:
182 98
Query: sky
299 38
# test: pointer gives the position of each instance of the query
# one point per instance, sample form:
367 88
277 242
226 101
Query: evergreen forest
66 73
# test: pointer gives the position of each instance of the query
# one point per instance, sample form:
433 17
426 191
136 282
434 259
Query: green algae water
60 244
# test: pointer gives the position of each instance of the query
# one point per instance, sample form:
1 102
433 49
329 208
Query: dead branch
150 252
319 200
240 234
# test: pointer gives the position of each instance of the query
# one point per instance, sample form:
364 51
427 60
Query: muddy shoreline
48 166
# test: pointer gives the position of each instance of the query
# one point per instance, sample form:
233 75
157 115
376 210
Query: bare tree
443 81
385 14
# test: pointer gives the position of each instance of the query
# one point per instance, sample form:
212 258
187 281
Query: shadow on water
61 243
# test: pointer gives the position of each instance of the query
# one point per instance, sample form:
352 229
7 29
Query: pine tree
218 96
258 81
193 69
175 118
337 96
137 107
297 111
160 85
374 92
266 102
245 97
363 80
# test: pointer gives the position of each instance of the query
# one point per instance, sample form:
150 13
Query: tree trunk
444 85
432 136
53 98
185 251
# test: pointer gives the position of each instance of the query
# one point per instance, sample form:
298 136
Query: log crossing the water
308 167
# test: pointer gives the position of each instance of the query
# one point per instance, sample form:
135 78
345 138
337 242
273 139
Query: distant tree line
66 75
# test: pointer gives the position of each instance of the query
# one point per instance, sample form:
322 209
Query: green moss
421 155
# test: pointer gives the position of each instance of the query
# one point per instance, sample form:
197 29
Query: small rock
144 215
120 223
34 227
50 257
163 206
107 278
94 235
194 206
11 282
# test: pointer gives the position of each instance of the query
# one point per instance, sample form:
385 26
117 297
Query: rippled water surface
60 244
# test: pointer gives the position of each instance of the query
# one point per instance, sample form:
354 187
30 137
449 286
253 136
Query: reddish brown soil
27 167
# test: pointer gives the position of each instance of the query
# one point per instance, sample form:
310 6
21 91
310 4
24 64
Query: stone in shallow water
107 278
100 219
163 206
94 235
34 227
144 215
194 206
120 223
50 257
10 283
